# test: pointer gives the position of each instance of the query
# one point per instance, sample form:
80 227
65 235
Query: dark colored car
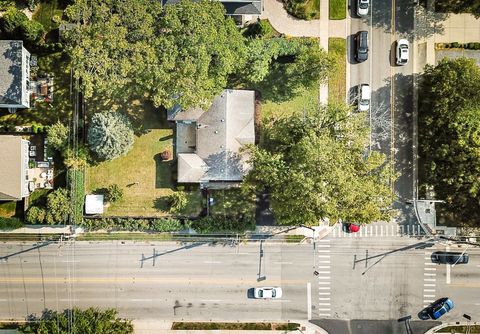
361 46
440 307
449 257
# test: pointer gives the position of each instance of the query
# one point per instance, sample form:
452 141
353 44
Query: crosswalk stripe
324 283
326 261
324 287
429 274
429 279
429 296
323 267
324 272
323 245
431 269
324 309
430 264
324 256
324 250
428 290
323 240
324 293
324 298
427 284
323 277
324 314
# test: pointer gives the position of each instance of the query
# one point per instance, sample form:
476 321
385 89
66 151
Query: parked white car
364 97
402 52
362 7
267 293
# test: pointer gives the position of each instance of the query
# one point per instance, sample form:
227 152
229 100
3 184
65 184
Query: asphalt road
391 110
203 281
191 281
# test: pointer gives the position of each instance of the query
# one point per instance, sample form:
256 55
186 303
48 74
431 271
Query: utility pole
469 318
406 319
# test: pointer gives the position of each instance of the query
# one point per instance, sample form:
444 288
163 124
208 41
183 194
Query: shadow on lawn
163 172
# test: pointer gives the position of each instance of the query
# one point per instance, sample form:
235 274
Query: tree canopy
316 165
76 321
110 135
16 25
458 6
181 54
449 135
57 135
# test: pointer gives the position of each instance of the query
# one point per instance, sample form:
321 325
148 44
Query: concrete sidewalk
155 326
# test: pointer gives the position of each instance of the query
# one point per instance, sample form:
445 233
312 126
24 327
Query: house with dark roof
13 168
242 11
208 143
14 75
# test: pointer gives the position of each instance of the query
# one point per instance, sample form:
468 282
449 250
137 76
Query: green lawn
337 9
337 47
303 9
7 209
145 179
45 12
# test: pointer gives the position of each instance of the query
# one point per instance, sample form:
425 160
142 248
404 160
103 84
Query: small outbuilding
94 204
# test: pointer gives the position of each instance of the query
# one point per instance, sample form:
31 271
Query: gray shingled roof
220 133
11 72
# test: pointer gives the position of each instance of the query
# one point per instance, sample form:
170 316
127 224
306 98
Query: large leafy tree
110 135
181 54
449 135
197 48
58 207
458 6
316 166
77 321
57 135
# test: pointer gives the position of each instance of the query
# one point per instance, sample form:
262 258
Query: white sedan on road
402 52
267 293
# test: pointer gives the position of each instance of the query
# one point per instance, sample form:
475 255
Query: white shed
94 204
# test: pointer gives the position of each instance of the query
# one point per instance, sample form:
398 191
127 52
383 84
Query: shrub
57 135
177 201
110 135
166 225
114 193
35 215
58 207
76 180
12 20
215 224
10 223
455 45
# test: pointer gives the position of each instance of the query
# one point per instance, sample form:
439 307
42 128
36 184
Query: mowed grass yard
337 9
142 165
337 47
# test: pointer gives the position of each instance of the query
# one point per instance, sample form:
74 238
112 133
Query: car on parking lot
402 52
440 307
362 7
361 46
267 293
363 97
449 257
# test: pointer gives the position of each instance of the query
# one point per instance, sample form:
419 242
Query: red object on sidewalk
353 228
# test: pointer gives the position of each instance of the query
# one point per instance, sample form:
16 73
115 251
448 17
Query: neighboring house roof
220 133
234 7
12 167
12 73
93 204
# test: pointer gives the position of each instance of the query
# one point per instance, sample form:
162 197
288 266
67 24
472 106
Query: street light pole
315 272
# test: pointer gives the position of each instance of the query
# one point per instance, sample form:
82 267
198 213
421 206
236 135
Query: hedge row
455 45
10 223
76 179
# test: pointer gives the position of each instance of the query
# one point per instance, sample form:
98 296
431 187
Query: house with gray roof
13 168
208 143
14 75
241 11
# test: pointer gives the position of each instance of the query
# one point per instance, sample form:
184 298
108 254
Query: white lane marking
408 229
448 267
428 284
477 304
428 290
324 298
323 277
141 300
309 301
428 253
324 288
429 274
323 245
324 304
429 279
323 283
428 296
324 250
323 267
430 263
323 240
324 314
324 309
381 230
431 269
323 272
376 229
212 262
427 258
283 262
320 293
428 300
324 256
324 261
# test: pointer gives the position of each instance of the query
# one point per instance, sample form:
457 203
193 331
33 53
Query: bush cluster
10 223
215 224
467 46
14 24
134 224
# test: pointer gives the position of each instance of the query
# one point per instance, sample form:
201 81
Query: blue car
440 307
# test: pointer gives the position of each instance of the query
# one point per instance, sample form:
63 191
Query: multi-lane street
392 106
382 275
